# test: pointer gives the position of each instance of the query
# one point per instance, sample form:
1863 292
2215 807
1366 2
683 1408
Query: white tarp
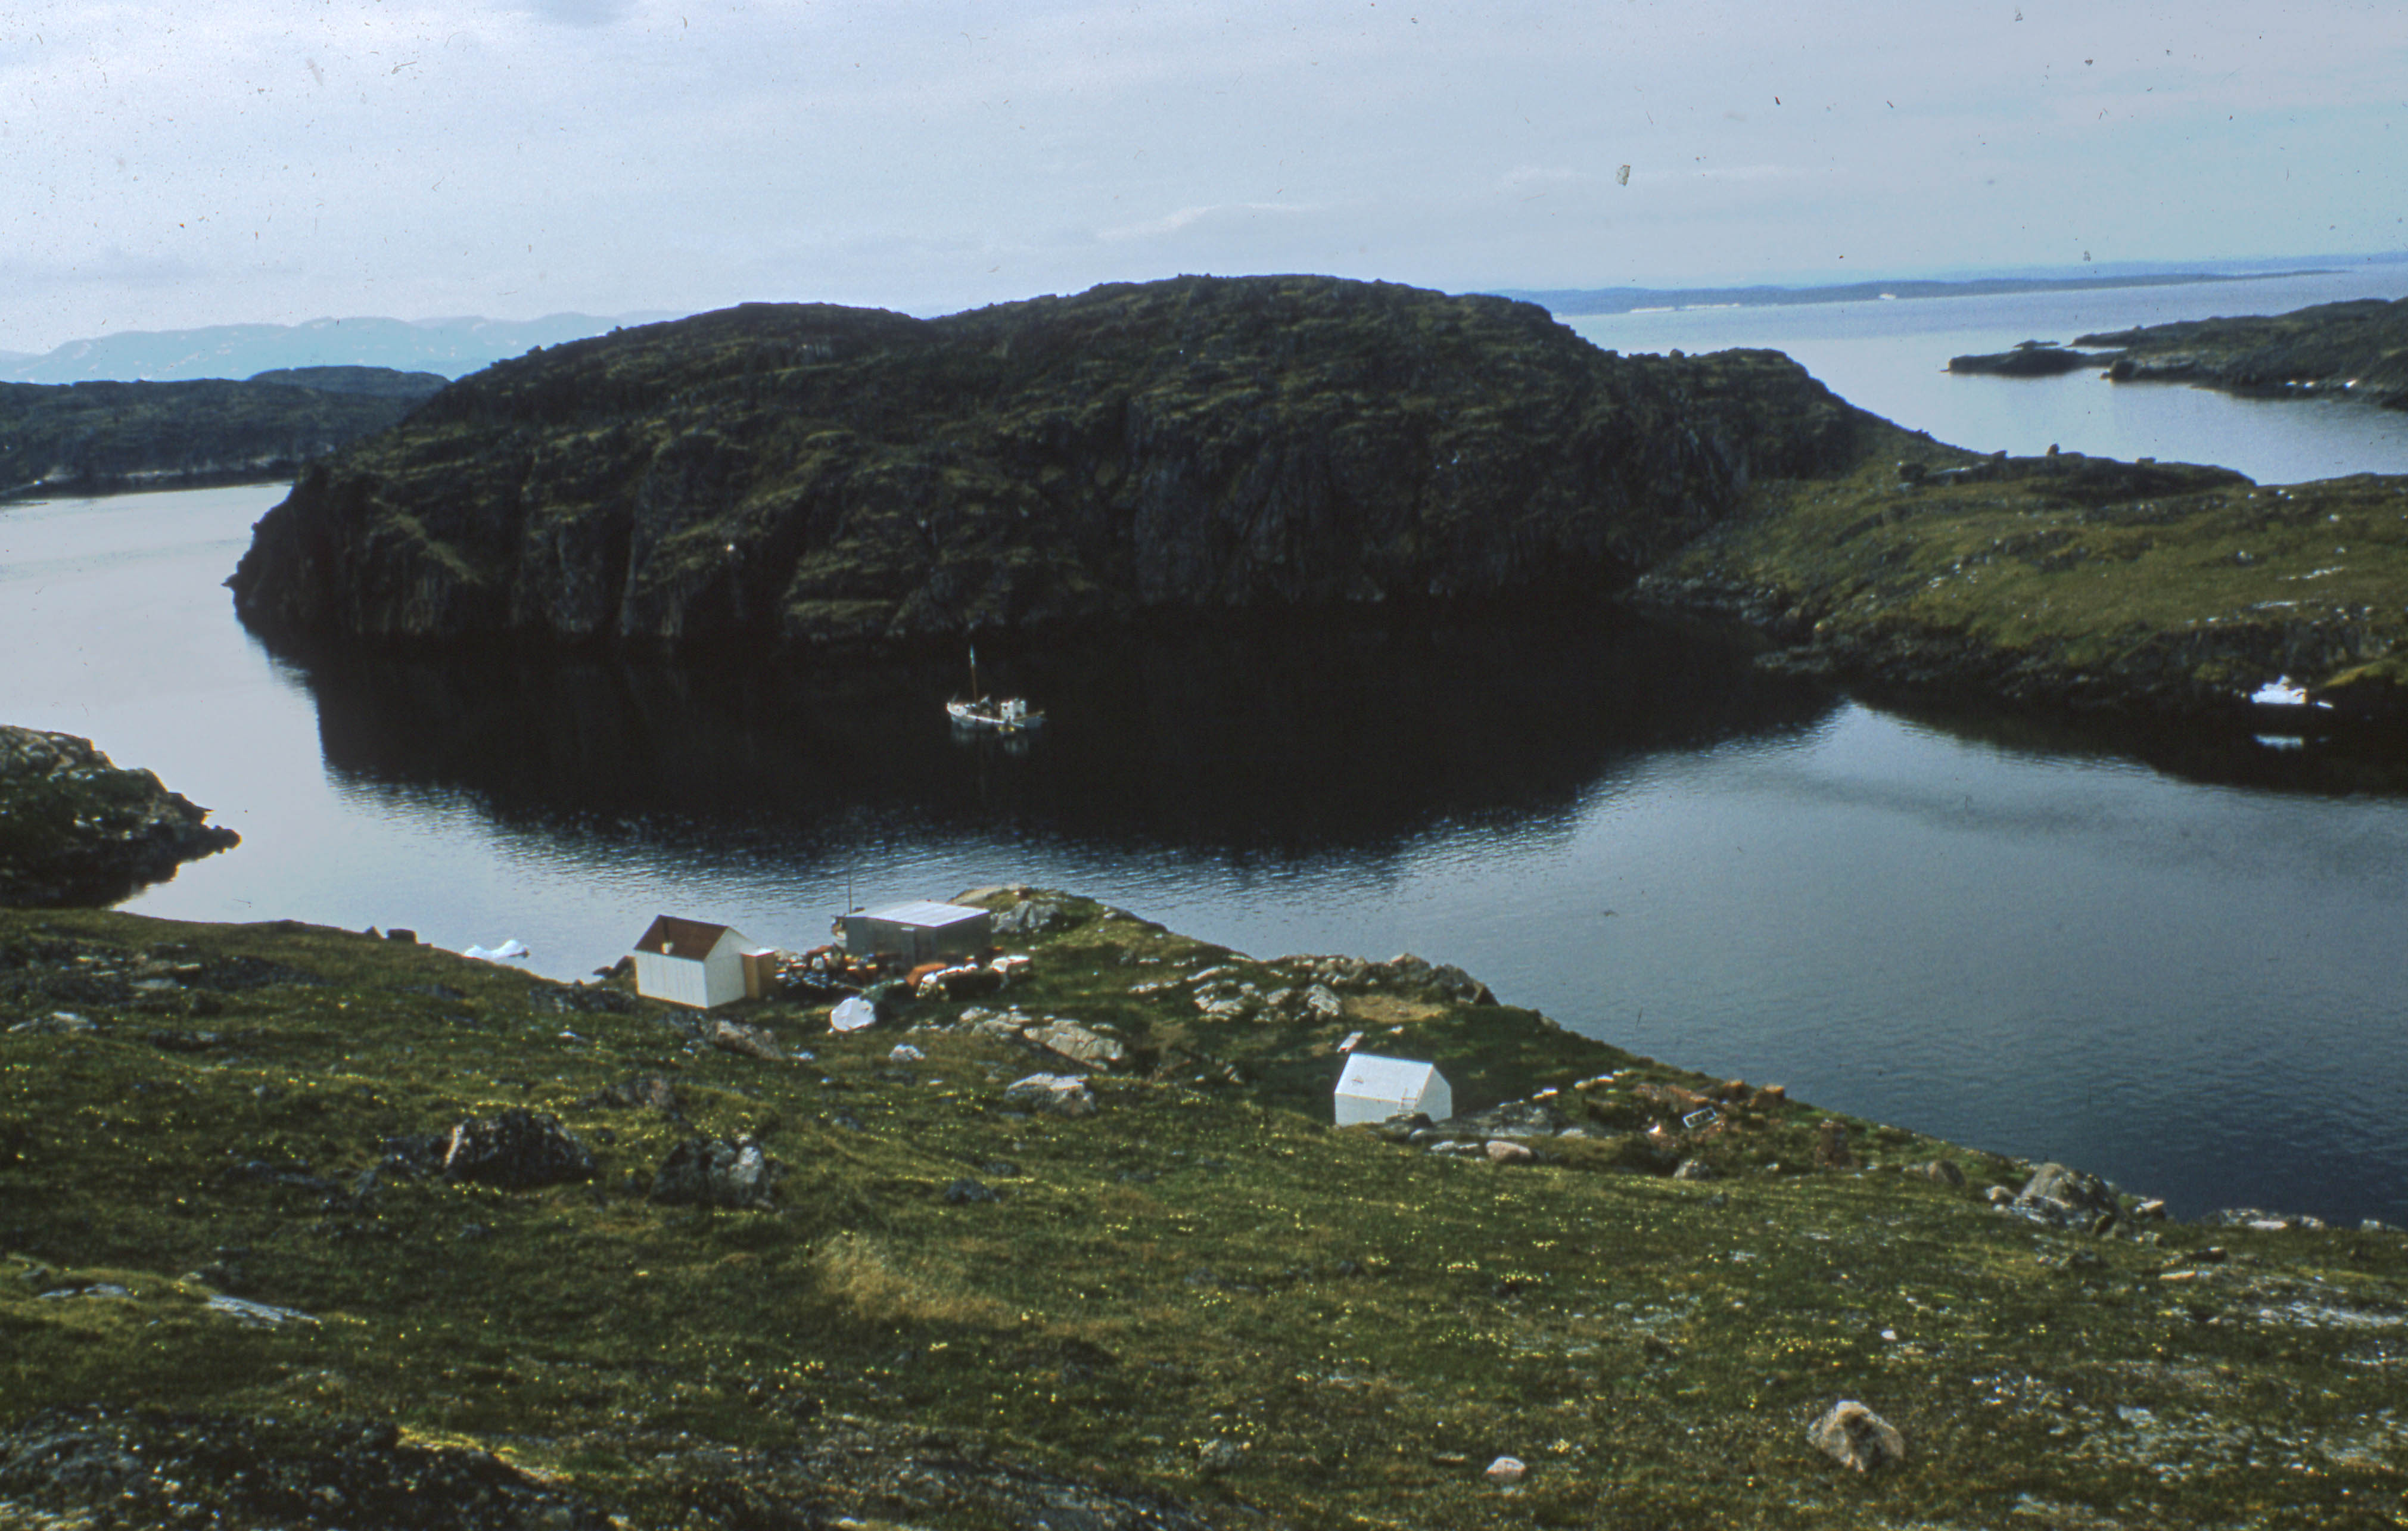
509 950
1374 1089
853 1015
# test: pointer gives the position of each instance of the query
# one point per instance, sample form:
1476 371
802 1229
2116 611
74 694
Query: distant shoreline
1588 302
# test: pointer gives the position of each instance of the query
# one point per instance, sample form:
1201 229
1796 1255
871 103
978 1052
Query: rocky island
77 830
307 1228
103 438
2355 349
793 478
800 475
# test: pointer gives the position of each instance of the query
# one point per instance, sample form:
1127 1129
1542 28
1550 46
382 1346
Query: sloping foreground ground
686 1273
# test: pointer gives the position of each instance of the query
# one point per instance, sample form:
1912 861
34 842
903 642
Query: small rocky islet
803 479
302 1227
77 830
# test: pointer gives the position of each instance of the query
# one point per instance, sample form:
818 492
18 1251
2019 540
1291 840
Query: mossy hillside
2141 588
1204 1259
806 474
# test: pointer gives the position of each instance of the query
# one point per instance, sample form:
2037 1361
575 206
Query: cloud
579 12
1185 217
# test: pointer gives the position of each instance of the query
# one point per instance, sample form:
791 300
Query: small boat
1003 714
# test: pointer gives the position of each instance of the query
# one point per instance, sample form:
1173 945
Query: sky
170 165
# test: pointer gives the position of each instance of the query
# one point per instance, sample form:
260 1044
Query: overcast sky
182 164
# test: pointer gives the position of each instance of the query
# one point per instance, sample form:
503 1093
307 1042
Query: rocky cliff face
809 475
77 830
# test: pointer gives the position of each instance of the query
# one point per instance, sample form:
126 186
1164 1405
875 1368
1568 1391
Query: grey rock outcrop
517 1150
1855 1436
712 1172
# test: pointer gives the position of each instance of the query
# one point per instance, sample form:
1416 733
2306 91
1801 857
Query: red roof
674 938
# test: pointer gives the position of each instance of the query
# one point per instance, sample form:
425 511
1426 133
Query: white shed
919 932
689 962
1375 1089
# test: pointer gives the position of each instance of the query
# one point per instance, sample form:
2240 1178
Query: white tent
1375 1089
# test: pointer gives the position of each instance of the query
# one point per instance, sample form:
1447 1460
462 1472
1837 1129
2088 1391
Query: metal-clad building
689 962
1375 1089
919 932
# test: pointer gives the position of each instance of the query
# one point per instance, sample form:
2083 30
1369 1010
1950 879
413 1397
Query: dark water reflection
2124 952
1257 741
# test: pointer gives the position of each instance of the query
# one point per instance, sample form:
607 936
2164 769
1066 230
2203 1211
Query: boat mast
974 691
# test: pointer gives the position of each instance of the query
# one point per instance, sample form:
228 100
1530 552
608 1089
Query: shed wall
678 979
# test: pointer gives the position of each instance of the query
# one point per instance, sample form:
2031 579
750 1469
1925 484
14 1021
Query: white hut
1375 1089
919 932
688 962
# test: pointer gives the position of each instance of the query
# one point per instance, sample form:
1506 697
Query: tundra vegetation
782 1275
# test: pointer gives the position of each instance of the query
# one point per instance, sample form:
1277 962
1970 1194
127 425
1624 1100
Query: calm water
2180 974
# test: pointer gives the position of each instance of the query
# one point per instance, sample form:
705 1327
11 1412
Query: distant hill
382 382
102 438
448 347
1624 300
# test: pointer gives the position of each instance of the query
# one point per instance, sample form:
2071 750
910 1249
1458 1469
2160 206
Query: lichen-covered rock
516 1150
1055 1095
817 475
75 830
709 1172
1078 1043
1855 1436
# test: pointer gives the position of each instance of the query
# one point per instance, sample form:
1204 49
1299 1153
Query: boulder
516 1150
1078 1044
1459 986
1029 916
1855 1436
1507 1470
749 1042
1504 1151
1943 1170
713 1172
2063 1197
1055 1094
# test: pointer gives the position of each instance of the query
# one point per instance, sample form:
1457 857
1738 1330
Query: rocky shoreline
75 830
2356 351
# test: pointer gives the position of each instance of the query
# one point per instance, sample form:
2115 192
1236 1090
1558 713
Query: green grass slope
1199 1304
